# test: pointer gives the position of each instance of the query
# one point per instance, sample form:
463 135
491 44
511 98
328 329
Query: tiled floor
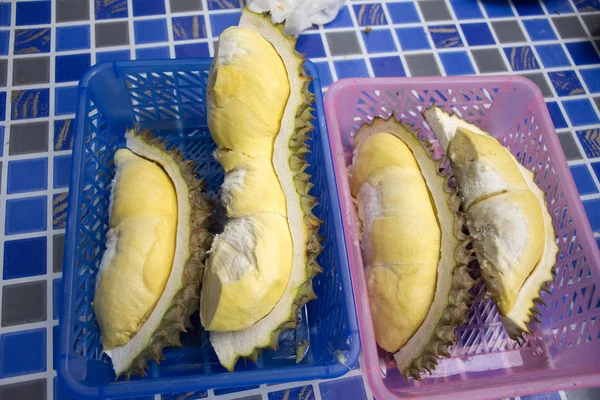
45 47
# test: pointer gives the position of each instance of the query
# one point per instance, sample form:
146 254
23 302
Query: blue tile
370 14
72 67
34 12
457 63
32 103
4 40
192 50
557 116
558 6
62 171
387 66
56 287
342 20
445 36
528 8
412 38
403 13
596 169
220 22
552 55
311 45
587 5
592 209
223 4
566 83
153 53
116 55
24 257
351 69
72 37
25 215
583 180
497 8
543 396
184 396
466 9
148 7
478 34
59 210
1 140
55 350
23 352
219 392
65 100
342 389
591 78
298 393
187 28
2 106
583 53
108 9
379 41
28 175
63 134
539 29
580 112
521 58
151 31
29 41
4 14
590 141
324 74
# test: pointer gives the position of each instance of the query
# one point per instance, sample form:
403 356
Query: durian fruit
507 218
414 252
150 272
261 267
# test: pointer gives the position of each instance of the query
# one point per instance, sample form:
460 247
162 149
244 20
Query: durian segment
401 245
449 278
507 231
289 163
253 188
248 79
140 248
514 240
153 187
238 291
248 271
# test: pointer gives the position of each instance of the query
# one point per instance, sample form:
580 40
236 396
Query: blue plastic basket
169 98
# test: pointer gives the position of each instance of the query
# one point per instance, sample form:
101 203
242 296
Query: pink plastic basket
565 349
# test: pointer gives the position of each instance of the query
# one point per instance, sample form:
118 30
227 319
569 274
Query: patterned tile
59 210
590 141
187 28
108 9
370 14
30 103
587 5
63 134
566 83
223 4
34 40
521 58
299 393
445 36
184 396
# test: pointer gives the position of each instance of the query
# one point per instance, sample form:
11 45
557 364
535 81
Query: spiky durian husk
458 298
185 300
299 148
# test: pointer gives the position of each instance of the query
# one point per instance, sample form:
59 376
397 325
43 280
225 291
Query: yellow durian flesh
248 91
140 248
507 231
251 260
376 154
401 244
250 264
